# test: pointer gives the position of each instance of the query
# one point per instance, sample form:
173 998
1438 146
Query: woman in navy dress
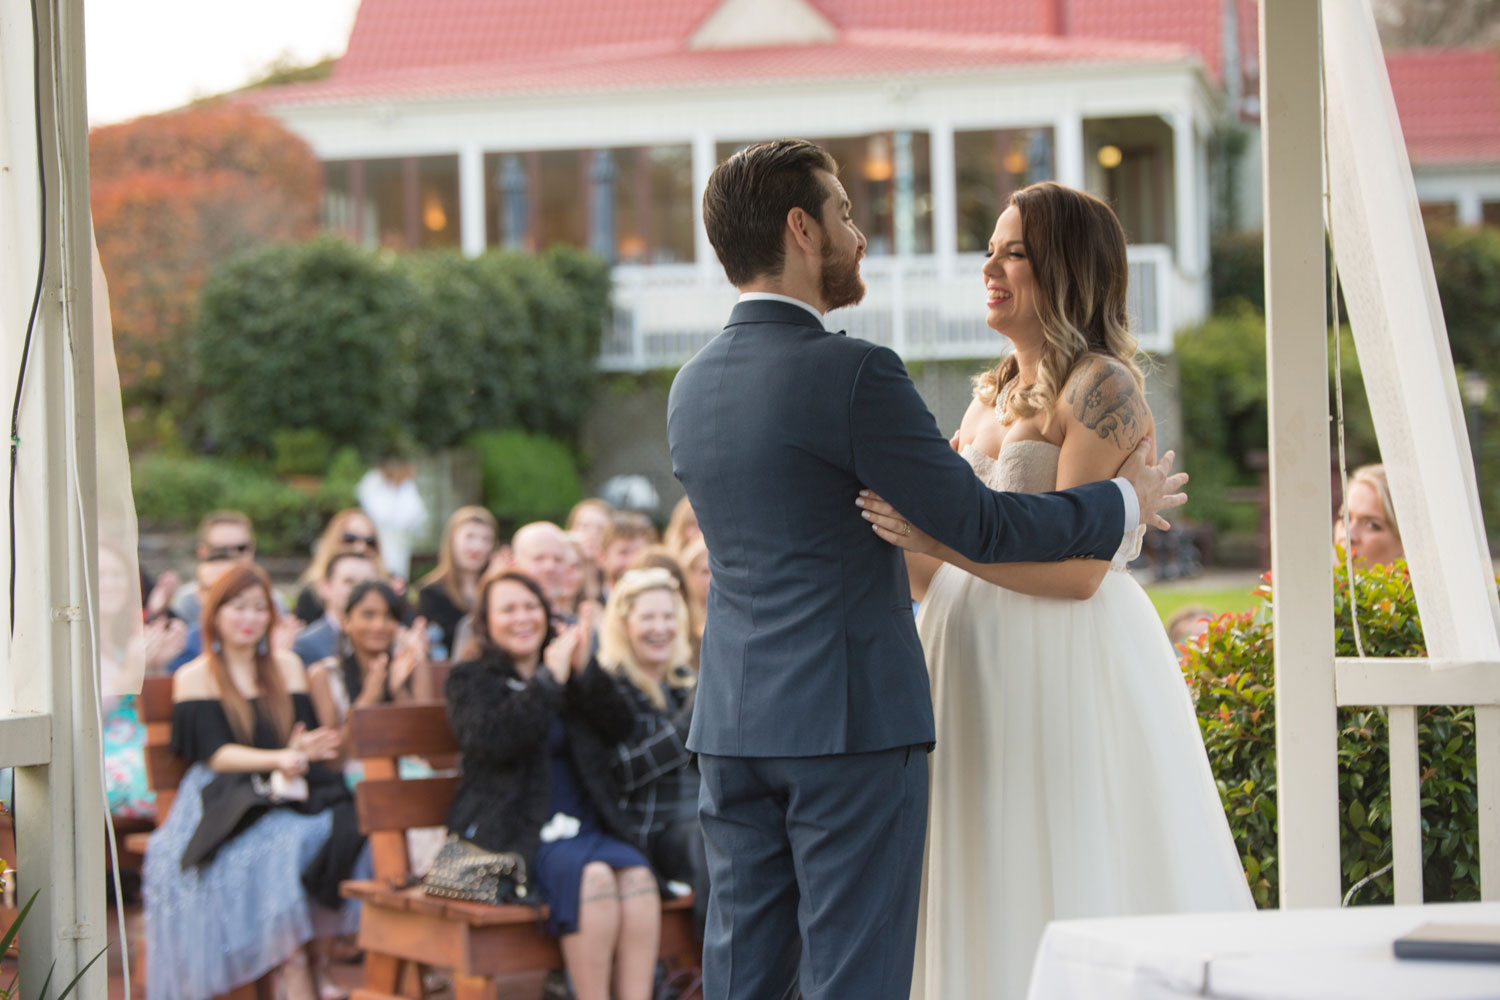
537 720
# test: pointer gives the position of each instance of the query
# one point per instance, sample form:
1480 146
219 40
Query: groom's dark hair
748 197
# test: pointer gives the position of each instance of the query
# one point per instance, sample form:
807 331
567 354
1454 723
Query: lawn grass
1169 600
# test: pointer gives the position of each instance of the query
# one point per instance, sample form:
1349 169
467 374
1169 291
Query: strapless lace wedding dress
1069 778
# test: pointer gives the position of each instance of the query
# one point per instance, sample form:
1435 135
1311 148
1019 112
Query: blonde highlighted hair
446 573
1076 248
331 543
615 653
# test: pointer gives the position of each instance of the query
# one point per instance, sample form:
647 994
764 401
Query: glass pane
561 198
1491 213
384 204
338 206
989 165
438 196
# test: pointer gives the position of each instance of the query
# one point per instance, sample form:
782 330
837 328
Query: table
1267 955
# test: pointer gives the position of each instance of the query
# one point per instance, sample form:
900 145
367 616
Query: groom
813 715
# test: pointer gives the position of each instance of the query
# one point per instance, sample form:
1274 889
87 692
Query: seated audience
540 550
589 520
574 580
341 575
643 640
536 718
447 593
226 540
694 561
378 658
244 872
681 529
350 530
1373 537
628 533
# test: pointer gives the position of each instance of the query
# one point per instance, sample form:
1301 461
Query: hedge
1230 672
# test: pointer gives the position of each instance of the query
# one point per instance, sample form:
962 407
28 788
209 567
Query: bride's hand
892 527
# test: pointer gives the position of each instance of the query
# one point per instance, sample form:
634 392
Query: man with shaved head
540 550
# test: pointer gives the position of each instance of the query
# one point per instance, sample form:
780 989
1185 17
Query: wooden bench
493 952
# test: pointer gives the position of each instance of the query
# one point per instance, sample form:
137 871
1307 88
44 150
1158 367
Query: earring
216 646
264 647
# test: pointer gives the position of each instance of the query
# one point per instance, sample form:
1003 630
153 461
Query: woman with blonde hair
696 574
1372 537
589 522
350 530
447 593
1069 778
643 640
681 529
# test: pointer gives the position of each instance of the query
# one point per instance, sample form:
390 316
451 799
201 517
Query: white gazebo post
48 705
1301 501
705 158
944 198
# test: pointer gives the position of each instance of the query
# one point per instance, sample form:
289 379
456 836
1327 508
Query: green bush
302 336
525 477
174 492
1230 672
1467 265
301 452
1237 270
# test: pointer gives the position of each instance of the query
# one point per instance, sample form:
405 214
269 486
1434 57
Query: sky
145 56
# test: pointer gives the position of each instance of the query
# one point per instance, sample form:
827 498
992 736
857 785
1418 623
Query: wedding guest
694 561
643 640
572 595
350 530
629 533
1188 622
225 537
540 550
682 528
536 718
447 593
389 494
238 883
341 575
589 520
1373 537
379 658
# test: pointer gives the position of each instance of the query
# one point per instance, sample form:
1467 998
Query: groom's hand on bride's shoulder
1157 487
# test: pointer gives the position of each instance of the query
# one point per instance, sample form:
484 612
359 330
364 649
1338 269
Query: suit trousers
815 868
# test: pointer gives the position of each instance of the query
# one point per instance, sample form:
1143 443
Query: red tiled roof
1449 103
392 36
655 64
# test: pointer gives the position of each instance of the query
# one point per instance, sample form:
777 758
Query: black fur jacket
501 723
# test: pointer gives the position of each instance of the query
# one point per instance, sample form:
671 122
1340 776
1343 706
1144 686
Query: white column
705 158
944 170
1470 208
1067 149
471 199
1185 210
1297 362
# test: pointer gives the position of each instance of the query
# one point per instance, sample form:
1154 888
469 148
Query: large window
405 203
634 205
989 165
889 180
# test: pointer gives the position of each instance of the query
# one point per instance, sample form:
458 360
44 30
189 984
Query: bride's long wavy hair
1076 247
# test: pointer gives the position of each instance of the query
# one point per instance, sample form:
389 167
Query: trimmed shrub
308 336
303 452
1230 672
525 477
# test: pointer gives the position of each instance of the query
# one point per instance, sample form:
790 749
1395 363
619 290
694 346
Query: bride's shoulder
1104 396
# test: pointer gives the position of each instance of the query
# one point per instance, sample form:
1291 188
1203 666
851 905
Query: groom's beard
840 284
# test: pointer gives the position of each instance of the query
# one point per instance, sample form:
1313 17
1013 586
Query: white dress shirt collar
774 297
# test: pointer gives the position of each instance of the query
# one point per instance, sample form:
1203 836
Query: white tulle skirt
1069 780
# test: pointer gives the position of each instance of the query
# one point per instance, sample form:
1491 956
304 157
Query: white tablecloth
1270 955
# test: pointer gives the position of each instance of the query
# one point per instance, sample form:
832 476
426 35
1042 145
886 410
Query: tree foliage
172 196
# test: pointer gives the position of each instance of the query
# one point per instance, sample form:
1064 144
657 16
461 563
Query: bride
1069 778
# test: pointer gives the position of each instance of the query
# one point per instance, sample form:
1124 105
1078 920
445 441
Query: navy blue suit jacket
810 647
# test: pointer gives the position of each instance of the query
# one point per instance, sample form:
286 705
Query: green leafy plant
303 451
11 990
1230 672
526 477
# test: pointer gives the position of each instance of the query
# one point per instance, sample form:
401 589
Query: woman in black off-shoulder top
243 874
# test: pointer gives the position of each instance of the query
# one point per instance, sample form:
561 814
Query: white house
515 123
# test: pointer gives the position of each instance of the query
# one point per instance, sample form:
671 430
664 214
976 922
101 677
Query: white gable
743 24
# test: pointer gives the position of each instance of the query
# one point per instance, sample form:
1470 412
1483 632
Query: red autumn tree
173 195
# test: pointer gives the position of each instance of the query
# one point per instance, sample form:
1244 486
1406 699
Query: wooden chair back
387 804
164 769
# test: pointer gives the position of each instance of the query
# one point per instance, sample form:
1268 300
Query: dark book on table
1451 943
